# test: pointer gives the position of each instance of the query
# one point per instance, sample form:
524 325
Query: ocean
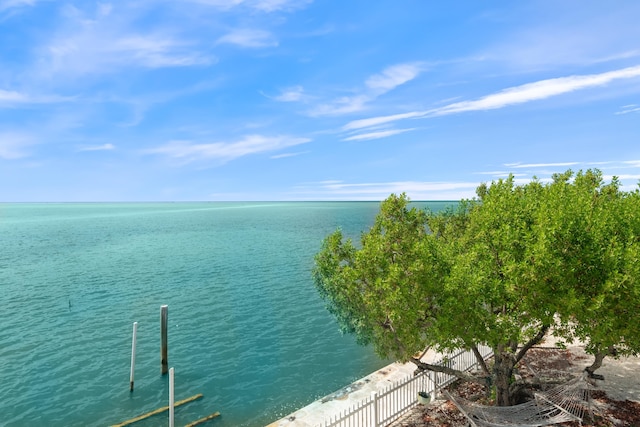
246 326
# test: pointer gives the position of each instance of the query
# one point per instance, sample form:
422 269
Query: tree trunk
503 365
506 357
597 363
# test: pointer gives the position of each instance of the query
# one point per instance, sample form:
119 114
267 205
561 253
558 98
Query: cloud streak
382 120
540 165
267 6
11 4
529 92
276 5
538 90
103 147
454 190
107 41
392 77
187 152
292 94
377 134
88 53
249 38
417 190
10 97
632 108
285 155
375 86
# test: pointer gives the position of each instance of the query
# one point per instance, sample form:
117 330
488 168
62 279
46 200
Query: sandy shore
622 382
621 376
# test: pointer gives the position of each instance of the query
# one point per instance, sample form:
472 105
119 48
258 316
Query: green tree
497 270
592 232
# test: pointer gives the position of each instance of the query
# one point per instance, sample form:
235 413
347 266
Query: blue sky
154 100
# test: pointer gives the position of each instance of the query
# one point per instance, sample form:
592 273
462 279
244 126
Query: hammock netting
566 402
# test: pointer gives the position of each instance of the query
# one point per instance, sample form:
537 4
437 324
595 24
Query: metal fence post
375 409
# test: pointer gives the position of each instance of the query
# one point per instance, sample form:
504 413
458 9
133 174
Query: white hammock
566 402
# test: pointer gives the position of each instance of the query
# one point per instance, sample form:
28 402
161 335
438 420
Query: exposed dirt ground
615 401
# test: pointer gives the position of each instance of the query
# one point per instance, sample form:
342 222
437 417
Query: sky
249 100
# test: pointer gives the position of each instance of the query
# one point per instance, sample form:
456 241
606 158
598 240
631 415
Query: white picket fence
387 405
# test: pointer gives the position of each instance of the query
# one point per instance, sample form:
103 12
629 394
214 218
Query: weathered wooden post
133 355
171 395
164 315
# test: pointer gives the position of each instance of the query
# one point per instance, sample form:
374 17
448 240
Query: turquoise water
246 327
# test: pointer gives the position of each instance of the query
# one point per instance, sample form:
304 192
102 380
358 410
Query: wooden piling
171 397
157 411
133 355
203 420
164 316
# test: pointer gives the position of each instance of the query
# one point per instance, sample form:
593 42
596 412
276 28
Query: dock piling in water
157 411
171 397
203 420
133 354
164 315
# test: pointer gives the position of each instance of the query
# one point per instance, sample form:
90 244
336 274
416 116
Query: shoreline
315 413
622 382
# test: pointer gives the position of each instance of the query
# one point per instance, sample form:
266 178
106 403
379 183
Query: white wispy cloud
158 50
374 86
261 5
10 4
103 147
544 171
275 5
290 94
632 108
500 174
376 121
342 105
7 96
529 92
446 190
186 151
538 90
397 187
622 177
392 77
10 98
91 52
248 37
569 35
540 165
108 40
377 134
416 190
221 4
285 155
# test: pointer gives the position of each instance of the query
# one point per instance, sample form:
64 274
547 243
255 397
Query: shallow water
246 326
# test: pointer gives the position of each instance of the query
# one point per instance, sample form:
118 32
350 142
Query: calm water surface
246 327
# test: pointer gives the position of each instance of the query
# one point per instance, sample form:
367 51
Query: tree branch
454 372
480 360
533 341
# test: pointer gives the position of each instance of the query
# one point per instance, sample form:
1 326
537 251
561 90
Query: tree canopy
498 270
